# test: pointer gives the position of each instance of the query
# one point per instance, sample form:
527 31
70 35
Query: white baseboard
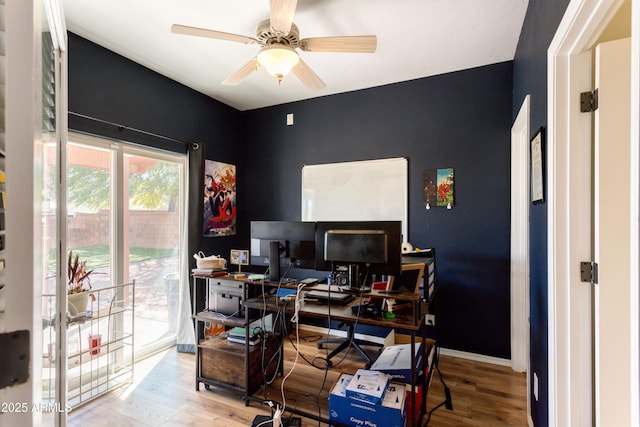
475 357
381 340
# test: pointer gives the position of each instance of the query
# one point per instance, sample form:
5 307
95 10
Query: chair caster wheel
207 386
319 345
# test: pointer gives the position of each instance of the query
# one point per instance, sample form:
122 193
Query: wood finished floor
163 394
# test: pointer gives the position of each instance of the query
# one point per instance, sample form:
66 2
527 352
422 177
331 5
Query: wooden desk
408 320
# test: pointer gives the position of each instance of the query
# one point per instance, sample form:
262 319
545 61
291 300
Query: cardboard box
428 354
395 360
389 413
368 386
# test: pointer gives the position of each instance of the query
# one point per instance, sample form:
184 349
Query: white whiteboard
369 190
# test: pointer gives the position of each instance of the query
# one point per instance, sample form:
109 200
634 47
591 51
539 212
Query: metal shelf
94 369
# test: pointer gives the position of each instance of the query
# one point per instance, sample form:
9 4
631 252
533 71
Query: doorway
574 389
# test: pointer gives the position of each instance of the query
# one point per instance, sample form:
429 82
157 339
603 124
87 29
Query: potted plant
78 285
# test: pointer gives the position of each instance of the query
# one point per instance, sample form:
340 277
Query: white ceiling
416 38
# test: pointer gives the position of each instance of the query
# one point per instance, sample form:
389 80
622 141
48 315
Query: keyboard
332 297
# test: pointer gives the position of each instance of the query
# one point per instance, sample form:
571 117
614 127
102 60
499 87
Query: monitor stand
274 260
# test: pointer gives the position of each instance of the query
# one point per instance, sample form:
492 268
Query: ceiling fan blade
281 15
242 73
307 76
356 44
202 32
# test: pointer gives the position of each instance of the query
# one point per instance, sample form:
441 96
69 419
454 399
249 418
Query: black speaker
274 260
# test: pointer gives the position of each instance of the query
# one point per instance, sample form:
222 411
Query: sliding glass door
152 236
124 216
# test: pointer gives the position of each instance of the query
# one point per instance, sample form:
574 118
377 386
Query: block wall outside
147 229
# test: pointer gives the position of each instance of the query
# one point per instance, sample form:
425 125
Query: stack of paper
389 412
395 360
368 386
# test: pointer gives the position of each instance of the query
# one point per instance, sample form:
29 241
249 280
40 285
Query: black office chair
408 281
349 341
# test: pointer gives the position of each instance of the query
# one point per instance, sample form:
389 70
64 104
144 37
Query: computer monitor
280 244
374 246
356 246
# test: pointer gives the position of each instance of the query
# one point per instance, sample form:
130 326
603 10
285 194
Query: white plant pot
77 303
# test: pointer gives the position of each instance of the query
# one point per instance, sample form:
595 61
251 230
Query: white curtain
185 334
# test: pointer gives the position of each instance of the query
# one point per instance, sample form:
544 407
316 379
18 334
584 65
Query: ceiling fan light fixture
278 60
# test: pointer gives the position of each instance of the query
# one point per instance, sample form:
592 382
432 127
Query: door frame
634 274
519 274
569 178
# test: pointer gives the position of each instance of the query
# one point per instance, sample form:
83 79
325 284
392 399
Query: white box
368 386
395 360
391 412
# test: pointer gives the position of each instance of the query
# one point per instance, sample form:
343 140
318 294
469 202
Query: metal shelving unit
94 366
204 317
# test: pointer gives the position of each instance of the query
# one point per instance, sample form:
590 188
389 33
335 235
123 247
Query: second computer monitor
375 245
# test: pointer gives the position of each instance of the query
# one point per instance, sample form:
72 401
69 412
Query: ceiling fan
279 38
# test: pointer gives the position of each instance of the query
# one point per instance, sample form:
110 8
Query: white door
612 233
570 172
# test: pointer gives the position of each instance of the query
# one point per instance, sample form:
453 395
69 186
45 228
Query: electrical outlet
430 319
535 386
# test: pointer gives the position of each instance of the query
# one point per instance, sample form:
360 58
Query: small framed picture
537 167
239 257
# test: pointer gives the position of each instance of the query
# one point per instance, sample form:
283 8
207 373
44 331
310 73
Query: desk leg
282 336
411 416
246 356
425 379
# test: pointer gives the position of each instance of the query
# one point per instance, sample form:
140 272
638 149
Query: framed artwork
437 186
219 199
239 257
430 187
537 167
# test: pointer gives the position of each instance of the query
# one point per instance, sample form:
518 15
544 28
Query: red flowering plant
79 278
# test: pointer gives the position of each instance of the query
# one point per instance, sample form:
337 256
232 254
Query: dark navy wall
106 86
460 120
530 77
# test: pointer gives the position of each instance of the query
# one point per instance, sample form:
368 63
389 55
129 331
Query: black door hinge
589 101
589 272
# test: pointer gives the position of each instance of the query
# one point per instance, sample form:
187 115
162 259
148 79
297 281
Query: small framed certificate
537 167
